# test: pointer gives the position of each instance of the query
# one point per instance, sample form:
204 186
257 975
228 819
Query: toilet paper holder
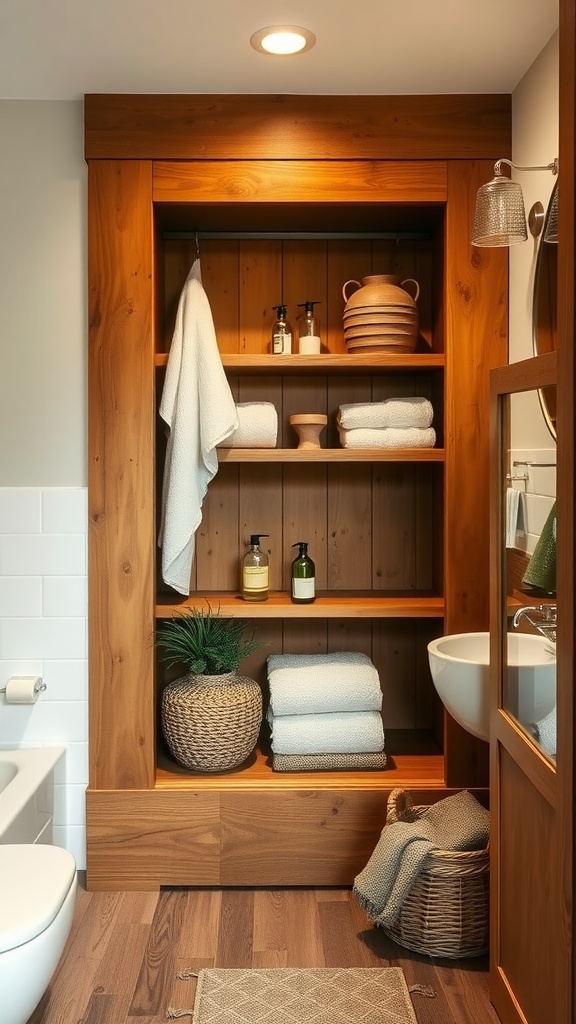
23 689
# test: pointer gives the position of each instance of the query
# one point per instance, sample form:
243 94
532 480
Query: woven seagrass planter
211 723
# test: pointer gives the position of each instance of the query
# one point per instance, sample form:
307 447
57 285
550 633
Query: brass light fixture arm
519 167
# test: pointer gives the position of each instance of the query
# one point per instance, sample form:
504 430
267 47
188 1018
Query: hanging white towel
257 426
388 437
512 511
392 412
198 407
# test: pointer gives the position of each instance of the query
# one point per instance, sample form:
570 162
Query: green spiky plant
205 643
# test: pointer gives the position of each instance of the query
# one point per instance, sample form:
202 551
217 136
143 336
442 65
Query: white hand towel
257 426
317 683
198 406
388 437
392 412
337 732
512 512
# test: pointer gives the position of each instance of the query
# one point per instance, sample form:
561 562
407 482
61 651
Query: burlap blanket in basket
426 884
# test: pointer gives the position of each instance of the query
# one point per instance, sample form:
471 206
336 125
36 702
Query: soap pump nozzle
303 547
255 538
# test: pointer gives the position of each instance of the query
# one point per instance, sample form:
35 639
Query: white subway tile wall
43 631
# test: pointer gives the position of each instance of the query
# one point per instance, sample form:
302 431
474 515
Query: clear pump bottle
281 333
255 583
308 329
303 576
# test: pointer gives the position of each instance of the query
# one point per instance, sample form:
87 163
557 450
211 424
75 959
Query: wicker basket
211 723
446 913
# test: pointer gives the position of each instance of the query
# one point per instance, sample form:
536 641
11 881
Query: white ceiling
61 49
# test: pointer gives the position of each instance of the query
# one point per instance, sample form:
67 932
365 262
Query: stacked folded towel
393 423
325 712
257 426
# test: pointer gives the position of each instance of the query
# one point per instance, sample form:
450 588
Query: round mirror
544 323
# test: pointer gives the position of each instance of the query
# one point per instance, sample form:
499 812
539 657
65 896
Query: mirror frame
544 313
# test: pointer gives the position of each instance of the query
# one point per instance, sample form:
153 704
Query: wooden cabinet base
214 837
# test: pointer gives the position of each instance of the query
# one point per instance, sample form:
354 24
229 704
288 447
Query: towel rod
539 465
326 236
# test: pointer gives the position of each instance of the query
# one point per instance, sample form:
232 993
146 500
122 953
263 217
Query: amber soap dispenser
255 564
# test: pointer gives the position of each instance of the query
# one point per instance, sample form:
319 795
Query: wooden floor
125 949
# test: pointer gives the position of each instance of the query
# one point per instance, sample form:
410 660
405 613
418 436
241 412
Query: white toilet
37 898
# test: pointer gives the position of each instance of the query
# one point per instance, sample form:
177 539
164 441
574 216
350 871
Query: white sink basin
460 672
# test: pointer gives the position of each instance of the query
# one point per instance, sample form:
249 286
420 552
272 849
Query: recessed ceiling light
282 40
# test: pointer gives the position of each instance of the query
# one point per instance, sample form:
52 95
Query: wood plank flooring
125 949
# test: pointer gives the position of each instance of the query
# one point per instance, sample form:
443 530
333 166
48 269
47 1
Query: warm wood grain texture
400 505
331 363
126 949
121 475
526 939
303 182
354 455
297 127
476 340
343 603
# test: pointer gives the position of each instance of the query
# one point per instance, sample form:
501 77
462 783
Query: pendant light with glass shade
500 217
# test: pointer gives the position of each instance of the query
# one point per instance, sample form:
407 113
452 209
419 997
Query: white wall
42 295
534 141
43 450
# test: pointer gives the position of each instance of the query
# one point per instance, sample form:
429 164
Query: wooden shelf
330 455
266 364
414 761
340 605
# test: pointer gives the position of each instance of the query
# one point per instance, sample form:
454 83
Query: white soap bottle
308 329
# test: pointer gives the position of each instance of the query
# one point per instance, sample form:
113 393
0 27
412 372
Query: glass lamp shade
551 229
500 217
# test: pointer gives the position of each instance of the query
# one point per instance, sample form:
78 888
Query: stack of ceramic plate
375 328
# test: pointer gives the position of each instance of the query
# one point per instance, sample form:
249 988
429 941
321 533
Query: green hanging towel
541 569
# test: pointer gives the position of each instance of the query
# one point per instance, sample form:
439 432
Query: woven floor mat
287 995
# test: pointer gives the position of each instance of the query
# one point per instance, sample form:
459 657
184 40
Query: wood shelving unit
401 552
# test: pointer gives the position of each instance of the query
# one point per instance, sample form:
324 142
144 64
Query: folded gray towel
458 822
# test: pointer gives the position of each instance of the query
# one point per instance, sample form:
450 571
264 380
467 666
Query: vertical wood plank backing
305 517
346 261
121 530
260 290
261 512
219 262
218 537
349 531
476 320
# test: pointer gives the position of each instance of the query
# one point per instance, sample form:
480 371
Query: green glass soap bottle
303 576
255 571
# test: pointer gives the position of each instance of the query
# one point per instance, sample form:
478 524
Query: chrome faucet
543 618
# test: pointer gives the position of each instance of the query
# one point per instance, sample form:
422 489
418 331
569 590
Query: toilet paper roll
23 689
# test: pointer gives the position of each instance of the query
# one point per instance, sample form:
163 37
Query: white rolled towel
338 732
392 412
257 426
318 683
388 437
